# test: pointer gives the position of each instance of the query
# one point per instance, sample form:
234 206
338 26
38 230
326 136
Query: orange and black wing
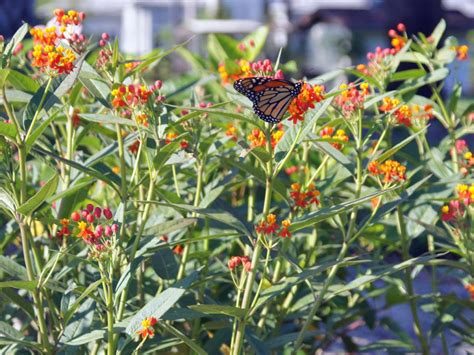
270 97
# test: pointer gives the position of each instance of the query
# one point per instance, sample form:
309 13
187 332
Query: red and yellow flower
305 100
390 170
147 330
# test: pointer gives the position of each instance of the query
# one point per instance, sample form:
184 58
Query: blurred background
321 35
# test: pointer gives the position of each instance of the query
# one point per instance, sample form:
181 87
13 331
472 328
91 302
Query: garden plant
141 214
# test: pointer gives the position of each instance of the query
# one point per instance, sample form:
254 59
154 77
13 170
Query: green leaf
315 217
438 32
387 345
12 268
169 226
219 216
23 82
81 321
3 76
407 74
38 131
433 77
158 306
16 39
7 203
112 180
8 130
454 99
107 119
164 263
24 285
219 309
91 288
35 201
336 155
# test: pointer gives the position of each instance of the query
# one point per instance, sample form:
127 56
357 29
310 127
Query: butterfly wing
270 97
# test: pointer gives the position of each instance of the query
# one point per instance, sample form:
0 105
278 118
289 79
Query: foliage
146 217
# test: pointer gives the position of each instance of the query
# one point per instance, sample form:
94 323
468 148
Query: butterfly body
270 97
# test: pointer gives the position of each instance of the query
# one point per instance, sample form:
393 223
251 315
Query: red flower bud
401 27
108 213
97 212
75 216
105 36
90 207
90 218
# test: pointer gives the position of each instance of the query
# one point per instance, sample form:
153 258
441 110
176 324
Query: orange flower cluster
57 59
130 95
466 158
462 52
46 36
398 37
240 260
257 137
406 114
147 330
304 197
391 170
305 100
70 18
466 194
388 104
270 227
328 133
351 98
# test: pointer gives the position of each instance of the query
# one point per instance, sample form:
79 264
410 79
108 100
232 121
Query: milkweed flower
351 98
390 170
53 59
285 232
303 198
236 261
340 135
231 131
461 52
270 227
465 157
257 137
306 99
147 330
91 225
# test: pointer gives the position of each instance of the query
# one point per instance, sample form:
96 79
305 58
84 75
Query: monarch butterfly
270 97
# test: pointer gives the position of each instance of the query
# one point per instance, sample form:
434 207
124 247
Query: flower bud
75 216
90 218
105 36
115 228
108 231
97 212
108 213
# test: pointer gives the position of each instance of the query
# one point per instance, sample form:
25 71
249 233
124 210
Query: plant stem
197 200
247 297
409 282
110 316
38 110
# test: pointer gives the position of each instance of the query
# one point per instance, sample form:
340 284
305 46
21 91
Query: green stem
409 282
247 297
38 110
110 317
197 201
